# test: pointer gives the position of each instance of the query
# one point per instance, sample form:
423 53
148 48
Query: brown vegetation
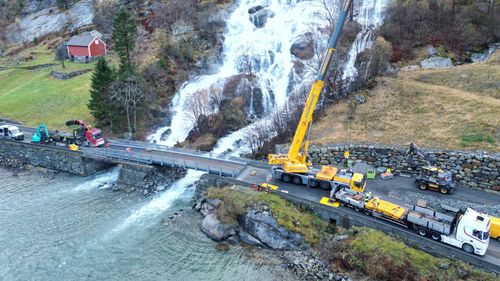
460 26
452 108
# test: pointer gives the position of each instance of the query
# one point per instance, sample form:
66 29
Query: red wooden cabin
86 46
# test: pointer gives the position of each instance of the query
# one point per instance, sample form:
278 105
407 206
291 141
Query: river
63 227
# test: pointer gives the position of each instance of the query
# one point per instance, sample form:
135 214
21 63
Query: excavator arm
296 159
415 149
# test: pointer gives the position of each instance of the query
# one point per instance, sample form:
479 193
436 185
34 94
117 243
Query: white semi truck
468 230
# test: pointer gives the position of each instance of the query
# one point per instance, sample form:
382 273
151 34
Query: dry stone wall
472 169
51 157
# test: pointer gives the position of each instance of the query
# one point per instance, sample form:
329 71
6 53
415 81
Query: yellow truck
495 228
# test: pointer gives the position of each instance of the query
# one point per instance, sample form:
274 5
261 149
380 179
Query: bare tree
329 12
129 96
198 104
245 63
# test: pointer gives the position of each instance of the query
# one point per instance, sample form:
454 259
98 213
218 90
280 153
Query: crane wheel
313 183
297 180
286 178
325 185
422 186
444 190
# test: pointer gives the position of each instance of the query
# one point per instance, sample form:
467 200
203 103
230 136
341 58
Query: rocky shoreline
258 227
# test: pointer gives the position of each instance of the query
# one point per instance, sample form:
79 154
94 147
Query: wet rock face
264 228
260 15
244 86
303 47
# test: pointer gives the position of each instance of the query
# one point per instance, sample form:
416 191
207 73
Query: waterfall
269 48
369 16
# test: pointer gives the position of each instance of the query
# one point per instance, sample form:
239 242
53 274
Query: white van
10 132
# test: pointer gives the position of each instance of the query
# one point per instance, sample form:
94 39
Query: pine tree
99 106
124 30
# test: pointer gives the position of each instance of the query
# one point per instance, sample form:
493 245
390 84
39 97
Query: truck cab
94 137
10 132
471 232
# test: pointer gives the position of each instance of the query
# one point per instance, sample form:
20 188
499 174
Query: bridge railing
159 147
148 158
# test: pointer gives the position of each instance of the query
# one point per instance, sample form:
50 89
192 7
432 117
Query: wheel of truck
422 231
368 213
343 205
324 185
444 190
87 143
313 183
435 236
297 180
286 178
468 248
422 186
357 209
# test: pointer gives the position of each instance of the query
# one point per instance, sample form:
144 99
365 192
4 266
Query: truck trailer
467 230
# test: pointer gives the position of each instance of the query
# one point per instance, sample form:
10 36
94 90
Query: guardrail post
184 164
220 171
173 163
232 173
196 166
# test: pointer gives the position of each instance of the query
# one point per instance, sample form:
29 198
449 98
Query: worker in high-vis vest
368 196
375 201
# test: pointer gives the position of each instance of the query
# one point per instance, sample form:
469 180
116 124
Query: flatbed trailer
468 230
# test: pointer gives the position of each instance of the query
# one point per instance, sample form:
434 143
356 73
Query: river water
63 227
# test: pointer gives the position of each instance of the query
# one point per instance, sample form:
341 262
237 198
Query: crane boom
296 160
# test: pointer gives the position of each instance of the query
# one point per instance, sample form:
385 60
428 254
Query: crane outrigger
295 166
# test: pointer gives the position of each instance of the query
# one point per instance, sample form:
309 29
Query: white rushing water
370 16
268 46
161 202
101 180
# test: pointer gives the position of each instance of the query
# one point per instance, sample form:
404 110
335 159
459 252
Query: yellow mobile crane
294 167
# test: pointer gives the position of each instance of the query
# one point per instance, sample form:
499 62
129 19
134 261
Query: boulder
180 28
259 18
249 239
255 9
436 62
303 47
431 51
214 229
264 227
207 209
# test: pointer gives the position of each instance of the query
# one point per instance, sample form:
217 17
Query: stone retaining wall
472 169
51 157
64 76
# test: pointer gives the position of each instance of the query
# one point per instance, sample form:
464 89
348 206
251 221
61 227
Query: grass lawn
457 108
32 96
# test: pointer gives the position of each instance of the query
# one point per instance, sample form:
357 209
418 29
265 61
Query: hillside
30 95
455 107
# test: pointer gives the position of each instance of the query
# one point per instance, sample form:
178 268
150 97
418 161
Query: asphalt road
382 188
